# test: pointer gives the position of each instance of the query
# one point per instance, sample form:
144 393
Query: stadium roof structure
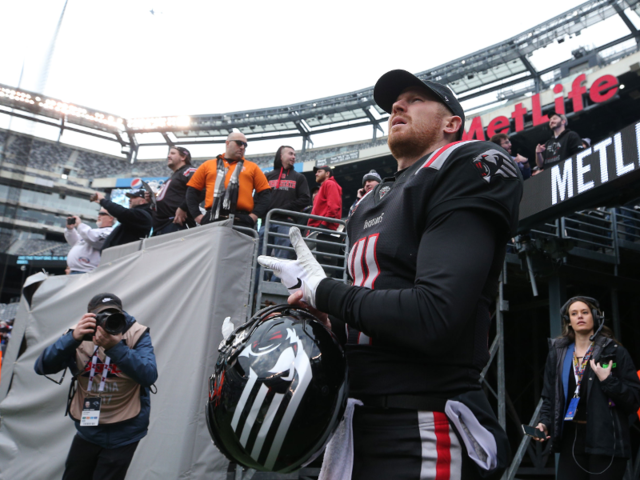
492 69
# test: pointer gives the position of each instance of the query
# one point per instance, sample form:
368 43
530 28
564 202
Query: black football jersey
171 196
419 321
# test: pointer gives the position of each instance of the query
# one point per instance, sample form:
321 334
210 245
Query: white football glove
227 328
303 274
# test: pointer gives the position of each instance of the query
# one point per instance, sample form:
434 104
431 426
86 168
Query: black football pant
88 461
407 445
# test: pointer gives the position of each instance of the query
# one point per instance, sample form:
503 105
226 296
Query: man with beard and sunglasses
229 181
427 246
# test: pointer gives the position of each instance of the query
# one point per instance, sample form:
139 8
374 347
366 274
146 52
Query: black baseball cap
390 85
104 301
139 192
326 168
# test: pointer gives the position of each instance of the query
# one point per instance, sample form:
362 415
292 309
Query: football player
427 248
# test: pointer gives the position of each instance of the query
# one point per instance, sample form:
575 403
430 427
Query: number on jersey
363 263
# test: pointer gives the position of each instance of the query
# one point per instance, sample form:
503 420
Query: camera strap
105 369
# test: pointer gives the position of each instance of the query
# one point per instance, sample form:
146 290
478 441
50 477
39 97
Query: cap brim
390 85
102 308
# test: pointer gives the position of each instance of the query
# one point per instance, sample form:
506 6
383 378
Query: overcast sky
198 57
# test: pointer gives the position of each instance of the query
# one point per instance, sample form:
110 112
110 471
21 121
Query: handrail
277 290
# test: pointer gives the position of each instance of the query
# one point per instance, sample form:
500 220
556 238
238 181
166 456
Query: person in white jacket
86 242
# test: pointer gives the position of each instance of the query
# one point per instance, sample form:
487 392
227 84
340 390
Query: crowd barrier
329 247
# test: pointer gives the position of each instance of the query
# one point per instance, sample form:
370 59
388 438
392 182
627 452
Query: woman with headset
590 390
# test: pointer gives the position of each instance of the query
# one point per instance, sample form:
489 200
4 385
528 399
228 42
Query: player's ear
451 124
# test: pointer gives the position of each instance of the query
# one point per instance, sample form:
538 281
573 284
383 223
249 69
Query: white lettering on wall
561 183
621 168
602 149
581 170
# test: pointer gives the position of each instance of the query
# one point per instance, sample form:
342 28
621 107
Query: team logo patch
493 163
383 191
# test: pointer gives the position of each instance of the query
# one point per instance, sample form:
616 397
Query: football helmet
278 392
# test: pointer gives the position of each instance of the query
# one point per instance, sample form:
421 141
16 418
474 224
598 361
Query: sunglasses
240 143
104 213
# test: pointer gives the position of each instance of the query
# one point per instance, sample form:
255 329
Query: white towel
480 443
338 456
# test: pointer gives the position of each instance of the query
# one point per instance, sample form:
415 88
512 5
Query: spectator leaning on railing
135 221
289 191
171 212
523 163
229 181
564 143
86 242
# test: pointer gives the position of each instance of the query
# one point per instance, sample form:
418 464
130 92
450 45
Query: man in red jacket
328 201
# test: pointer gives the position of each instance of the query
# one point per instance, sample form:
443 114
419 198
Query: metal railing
627 227
328 246
599 234
252 233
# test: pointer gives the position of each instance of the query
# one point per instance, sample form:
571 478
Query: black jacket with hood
607 428
289 189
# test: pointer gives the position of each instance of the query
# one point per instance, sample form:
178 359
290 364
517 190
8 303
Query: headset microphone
593 337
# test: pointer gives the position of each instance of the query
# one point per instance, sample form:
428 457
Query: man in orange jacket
231 193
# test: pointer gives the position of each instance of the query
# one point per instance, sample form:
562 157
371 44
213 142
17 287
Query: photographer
135 221
86 242
114 366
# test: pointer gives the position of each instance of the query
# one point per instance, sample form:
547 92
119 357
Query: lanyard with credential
578 369
105 370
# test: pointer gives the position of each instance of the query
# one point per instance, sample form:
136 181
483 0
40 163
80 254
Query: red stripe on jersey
443 446
440 152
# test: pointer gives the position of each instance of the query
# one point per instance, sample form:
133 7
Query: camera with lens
71 220
111 320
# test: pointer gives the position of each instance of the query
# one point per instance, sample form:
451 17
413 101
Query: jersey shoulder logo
383 191
189 171
493 163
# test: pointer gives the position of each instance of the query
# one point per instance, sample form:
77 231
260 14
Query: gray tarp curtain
180 285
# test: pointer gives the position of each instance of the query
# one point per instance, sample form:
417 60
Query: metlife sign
597 176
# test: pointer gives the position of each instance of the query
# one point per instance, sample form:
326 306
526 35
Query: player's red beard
415 141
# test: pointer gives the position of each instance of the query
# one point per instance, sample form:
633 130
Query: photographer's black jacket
427 247
622 386
135 223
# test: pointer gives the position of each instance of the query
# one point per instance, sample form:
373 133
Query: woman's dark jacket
621 386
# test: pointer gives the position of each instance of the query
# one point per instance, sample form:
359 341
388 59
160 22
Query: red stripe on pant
443 446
